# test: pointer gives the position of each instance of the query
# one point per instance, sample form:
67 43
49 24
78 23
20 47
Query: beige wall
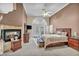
31 18
15 17
67 18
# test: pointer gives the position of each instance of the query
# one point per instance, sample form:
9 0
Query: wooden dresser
15 45
26 38
74 43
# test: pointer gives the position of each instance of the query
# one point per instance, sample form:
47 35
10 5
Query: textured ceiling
35 9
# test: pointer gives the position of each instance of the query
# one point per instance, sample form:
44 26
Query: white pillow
59 33
64 33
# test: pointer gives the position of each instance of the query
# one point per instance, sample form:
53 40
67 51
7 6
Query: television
29 27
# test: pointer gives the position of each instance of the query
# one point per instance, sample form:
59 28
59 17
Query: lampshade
51 28
1 17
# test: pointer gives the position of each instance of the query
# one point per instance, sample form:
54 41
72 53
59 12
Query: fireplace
7 34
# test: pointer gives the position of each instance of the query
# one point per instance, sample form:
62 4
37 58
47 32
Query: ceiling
36 9
4 9
31 9
14 18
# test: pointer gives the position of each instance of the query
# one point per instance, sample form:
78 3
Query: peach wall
30 19
67 18
15 17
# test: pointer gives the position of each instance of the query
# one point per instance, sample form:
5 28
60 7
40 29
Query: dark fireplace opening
7 34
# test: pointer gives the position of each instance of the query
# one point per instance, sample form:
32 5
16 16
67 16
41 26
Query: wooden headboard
68 30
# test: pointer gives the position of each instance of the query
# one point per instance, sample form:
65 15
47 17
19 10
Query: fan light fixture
46 13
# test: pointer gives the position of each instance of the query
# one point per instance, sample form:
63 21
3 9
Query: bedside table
74 43
15 45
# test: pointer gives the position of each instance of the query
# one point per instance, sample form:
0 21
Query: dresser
15 45
74 43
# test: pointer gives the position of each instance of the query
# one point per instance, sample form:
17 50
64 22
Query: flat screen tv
29 27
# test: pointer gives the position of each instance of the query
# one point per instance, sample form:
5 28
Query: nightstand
15 45
74 43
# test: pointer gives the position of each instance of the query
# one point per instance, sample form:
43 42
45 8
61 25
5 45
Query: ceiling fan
46 12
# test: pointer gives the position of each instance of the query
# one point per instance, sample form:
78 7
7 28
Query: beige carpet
30 49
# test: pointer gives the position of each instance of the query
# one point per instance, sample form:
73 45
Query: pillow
59 32
64 33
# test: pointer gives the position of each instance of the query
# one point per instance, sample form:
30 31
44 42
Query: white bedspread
53 38
53 35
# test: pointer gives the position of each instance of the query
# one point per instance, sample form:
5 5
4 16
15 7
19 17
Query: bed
56 38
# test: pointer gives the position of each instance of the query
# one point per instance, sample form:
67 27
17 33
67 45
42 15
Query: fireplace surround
7 34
